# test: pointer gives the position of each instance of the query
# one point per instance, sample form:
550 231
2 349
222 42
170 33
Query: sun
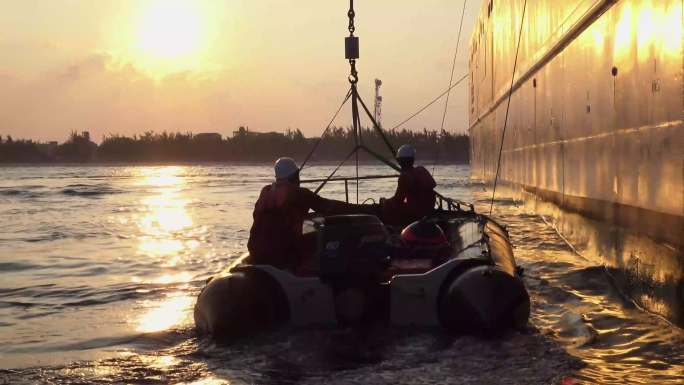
169 34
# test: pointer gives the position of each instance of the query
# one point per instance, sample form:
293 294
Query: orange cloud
101 96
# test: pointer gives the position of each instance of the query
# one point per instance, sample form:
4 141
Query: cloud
271 70
99 94
94 64
102 96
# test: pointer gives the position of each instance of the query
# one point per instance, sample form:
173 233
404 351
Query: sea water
100 267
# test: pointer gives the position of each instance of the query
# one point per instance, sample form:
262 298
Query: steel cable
431 103
451 80
508 106
346 98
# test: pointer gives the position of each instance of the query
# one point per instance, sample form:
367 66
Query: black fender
483 300
248 301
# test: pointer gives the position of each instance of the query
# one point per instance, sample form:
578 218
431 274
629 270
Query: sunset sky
117 66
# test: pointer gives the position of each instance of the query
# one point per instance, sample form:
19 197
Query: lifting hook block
351 47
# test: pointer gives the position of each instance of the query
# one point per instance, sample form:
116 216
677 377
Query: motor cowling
353 247
353 256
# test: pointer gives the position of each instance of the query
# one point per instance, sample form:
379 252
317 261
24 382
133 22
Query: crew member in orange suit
276 235
415 195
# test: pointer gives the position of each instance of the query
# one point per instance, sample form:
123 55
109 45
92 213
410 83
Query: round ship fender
240 304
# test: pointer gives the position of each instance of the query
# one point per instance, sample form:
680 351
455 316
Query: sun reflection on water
161 176
167 214
183 277
160 362
166 219
159 247
165 228
173 311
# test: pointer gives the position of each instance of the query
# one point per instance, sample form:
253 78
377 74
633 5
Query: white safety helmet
285 168
406 151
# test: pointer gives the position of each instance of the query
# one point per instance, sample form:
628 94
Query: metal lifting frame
358 140
351 54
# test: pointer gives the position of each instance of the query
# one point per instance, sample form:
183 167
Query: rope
508 106
451 80
431 103
357 138
335 170
325 131
380 158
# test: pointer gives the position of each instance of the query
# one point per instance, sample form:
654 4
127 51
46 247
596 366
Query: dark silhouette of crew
276 236
415 194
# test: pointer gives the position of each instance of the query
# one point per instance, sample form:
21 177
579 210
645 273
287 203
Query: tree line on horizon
243 146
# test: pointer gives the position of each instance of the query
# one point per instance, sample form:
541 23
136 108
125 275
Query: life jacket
414 199
277 228
422 194
424 180
282 200
275 196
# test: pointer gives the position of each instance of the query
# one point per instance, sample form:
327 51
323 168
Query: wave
16 266
10 192
89 190
20 192
81 190
12 290
53 297
95 343
52 236
22 304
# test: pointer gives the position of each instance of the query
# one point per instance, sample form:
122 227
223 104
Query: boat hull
595 130
476 290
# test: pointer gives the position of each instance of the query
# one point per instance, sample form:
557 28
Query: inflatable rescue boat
454 270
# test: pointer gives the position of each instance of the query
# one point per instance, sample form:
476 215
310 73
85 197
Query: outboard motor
352 258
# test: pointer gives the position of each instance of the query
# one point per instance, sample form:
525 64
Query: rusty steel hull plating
595 133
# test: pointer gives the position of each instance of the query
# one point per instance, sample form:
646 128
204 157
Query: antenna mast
377 113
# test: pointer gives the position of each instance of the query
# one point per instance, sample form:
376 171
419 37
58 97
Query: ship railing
449 204
442 202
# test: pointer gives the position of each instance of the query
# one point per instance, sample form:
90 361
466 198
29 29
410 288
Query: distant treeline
245 145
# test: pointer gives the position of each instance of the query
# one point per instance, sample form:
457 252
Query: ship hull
595 136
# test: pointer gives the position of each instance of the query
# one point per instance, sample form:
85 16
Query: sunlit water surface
100 268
